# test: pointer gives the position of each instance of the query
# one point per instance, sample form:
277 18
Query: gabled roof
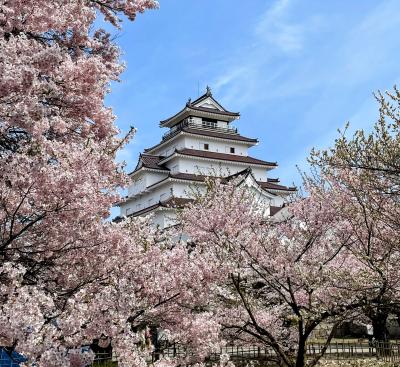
149 161
274 209
207 95
213 110
152 161
213 107
221 156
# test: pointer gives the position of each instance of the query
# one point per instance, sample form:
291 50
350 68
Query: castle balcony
202 125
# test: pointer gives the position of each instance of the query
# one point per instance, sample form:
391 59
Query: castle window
209 123
232 150
206 146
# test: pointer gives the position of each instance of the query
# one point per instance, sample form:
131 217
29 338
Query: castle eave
199 112
217 136
214 156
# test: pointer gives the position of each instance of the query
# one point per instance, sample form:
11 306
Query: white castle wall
139 202
144 179
215 145
197 143
198 166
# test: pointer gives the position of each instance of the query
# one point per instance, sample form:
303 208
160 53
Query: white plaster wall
147 199
168 148
278 201
167 217
259 173
267 200
144 179
153 177
214 145
163 218
170 218
197 142
138 184
196 166
187 190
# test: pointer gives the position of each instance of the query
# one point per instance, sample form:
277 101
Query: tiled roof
201 178
175 202
204 132
273 186
224 156
172 202
274 209
213 110
206 95
151 161
188 176
218 134
186 110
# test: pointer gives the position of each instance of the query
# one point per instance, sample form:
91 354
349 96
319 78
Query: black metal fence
385 351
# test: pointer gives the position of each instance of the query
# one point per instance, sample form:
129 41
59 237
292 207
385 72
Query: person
370 335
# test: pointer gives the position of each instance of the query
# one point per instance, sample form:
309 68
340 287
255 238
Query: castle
201 142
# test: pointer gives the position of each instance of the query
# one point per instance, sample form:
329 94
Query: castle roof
172 202
152 161
206 106
206 122
219 156
204 132
268 186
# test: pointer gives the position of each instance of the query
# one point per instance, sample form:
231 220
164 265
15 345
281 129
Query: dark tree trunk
381 336
154 341
301 353
379 324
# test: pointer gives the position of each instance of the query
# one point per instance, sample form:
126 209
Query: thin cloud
275 36
277 29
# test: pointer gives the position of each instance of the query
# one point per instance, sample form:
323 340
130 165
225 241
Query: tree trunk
379 324
381 336
301 353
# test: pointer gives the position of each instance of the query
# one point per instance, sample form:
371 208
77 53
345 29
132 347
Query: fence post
337 350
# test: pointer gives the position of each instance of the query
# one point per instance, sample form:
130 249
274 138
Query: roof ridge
224 156
208 133
276 186
207 94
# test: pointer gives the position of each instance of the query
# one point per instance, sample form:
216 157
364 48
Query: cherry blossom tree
334 257
67 276
274 283
359 180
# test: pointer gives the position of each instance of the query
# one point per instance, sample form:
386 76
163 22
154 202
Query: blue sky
296 70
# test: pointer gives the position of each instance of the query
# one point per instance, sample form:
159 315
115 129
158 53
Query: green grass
105 364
